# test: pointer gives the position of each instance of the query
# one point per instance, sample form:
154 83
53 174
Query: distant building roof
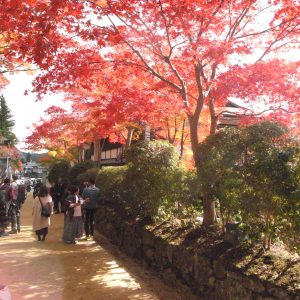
232 104
230 115
32 164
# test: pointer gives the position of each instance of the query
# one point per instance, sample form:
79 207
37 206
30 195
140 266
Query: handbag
46 211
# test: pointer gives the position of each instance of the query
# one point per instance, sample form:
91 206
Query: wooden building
105 153
230 115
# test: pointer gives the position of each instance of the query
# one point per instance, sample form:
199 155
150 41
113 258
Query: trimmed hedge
152 184
90 173
59 170
78 169
110 181
254 174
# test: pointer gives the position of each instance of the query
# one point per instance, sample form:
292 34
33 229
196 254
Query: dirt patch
276 266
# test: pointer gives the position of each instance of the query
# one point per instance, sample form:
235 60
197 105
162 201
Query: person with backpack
11 203
13 210
18 198
6 191
5 194
3 215
41 222
37 187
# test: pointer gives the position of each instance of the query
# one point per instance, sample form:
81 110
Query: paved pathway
54 270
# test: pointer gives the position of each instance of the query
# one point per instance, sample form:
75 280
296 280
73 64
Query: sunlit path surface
54 270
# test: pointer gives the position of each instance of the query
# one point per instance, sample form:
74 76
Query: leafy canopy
192 54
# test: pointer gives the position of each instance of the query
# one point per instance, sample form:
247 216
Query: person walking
36 188
4 202
19 197
73 226
3 215
7 191
91 195
14 209
58 195
40 223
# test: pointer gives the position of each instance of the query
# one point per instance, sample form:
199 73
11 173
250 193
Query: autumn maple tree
93 116
10 57
197 53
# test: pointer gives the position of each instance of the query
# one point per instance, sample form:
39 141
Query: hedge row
153 183
253 175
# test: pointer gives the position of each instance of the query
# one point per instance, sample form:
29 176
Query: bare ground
54 270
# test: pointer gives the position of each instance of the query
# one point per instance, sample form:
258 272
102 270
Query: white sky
25 109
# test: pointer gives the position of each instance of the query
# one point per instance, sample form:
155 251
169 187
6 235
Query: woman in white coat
40 223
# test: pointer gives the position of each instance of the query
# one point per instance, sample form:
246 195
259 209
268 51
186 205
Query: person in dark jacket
3 215
58 192
5 194
91 196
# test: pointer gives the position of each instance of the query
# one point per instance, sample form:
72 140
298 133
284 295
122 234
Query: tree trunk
213 117
209 209
129 137
182 139
209 212
194 138
97 152
213 125
80 154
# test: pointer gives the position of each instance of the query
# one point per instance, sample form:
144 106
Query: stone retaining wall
209 275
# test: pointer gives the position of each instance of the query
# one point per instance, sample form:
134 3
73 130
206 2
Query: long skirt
73 228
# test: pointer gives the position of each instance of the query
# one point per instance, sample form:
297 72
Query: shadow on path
54 270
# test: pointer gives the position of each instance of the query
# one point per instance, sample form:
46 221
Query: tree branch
266 30
147 66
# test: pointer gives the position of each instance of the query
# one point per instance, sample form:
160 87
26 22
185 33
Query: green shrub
290 229
78 169
229 198
252 172
59 170
182 199
155 154
90 173
110 181
173 191
153 178
219 177
268 179
290 233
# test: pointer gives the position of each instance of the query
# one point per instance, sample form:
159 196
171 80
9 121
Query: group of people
78 205
79 210
12 196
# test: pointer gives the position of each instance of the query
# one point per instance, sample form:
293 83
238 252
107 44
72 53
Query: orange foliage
131 60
